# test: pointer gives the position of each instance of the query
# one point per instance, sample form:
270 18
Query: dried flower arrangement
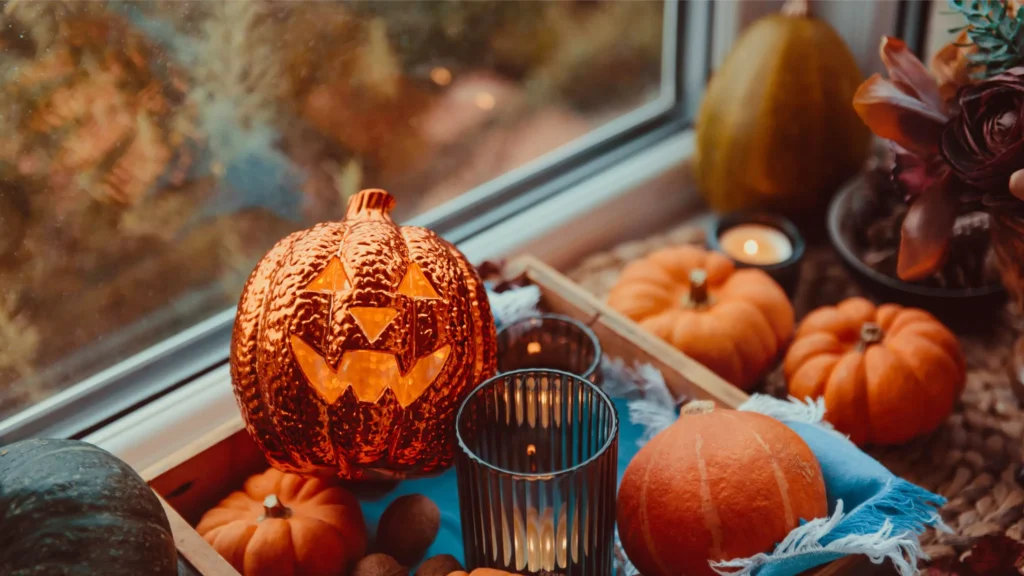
957 133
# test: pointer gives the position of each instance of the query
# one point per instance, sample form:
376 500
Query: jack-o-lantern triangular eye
332 279
415 284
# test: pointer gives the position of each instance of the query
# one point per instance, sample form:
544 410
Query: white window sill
647 192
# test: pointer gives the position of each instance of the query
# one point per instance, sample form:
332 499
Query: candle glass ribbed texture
536 472
550 341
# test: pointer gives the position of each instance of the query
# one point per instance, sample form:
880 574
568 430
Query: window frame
202 349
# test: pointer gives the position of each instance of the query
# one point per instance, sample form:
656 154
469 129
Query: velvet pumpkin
735 322
776 129
354 344
68 507
715 485
887 373
287 525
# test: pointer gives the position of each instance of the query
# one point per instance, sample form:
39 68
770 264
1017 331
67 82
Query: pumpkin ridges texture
298 404
324 534
737 333
898 388
681 503
243 365
67 506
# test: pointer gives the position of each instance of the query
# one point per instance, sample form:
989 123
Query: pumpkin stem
698 294
373 204
796 8
697 407
870 333
273 508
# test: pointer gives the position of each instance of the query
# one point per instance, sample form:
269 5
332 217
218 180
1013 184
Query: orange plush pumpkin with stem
715 485
887 373
287 525
735 322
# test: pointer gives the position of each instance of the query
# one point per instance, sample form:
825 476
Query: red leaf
996 555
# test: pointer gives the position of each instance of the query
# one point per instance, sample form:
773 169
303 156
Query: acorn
408 527
379 565
440 565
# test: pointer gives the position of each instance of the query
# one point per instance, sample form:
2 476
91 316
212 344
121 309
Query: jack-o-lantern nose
373 321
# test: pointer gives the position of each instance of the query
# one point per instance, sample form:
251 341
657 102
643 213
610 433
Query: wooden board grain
195 555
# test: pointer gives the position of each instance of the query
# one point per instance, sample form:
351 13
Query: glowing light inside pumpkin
533 348
415 284
373 321
332 279
369 373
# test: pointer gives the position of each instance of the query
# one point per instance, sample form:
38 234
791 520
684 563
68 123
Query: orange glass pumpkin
354 344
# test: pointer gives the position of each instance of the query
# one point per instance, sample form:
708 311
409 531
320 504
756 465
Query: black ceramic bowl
961 306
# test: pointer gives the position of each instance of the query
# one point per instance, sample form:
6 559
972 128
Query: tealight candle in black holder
764 241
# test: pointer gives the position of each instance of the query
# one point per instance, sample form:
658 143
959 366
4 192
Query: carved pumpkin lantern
354 344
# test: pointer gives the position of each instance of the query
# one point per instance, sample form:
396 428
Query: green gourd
70 508
777 130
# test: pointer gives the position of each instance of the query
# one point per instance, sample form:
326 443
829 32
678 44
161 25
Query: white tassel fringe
903 550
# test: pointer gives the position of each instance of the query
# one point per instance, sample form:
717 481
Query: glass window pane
153 151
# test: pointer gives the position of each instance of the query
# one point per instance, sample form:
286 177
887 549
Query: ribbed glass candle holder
536 473
550 341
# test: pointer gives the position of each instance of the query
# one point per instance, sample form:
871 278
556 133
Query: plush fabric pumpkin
887 374
715 485
287 525
68 507
776 129
354 344
735 322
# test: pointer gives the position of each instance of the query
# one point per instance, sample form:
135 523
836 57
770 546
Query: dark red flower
984 142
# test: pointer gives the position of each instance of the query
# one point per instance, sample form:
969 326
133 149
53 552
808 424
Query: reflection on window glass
153 151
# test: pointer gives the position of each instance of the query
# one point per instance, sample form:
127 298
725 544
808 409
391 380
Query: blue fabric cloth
870 494
443 490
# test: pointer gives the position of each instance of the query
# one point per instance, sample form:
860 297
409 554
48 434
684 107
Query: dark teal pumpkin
70 508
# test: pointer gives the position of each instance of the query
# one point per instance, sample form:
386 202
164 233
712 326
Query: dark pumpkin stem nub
373 204
698 287
697 407
273 508
870 333
796 8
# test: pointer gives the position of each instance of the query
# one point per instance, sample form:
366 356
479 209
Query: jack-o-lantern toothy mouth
369 373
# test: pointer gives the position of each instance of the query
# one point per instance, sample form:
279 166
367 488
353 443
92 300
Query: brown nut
440 565
408 527
379 565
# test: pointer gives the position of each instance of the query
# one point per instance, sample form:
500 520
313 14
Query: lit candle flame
484 101
441 76
533 348
750 247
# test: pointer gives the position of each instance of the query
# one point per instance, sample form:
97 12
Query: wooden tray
194 479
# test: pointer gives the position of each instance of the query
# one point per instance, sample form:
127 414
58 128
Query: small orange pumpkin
715 485
735 322
887 374
287 525
355 343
